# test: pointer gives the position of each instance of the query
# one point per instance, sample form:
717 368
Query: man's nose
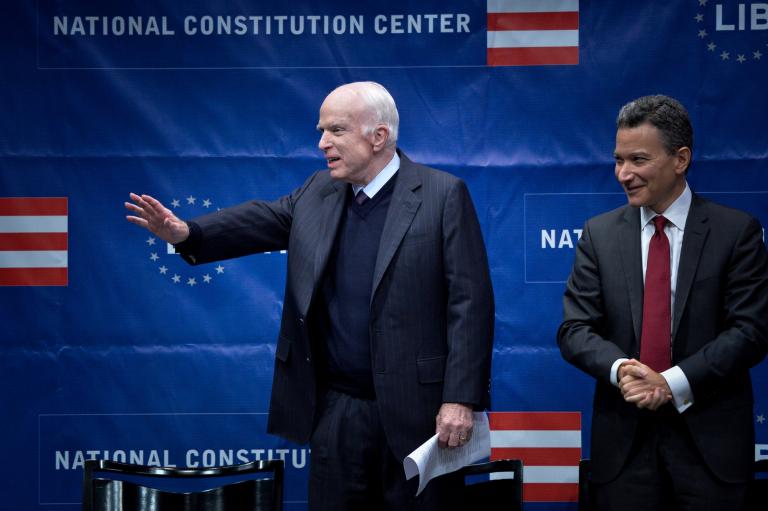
623 172
324 144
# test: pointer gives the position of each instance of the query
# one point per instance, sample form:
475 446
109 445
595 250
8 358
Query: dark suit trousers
352 467
665 471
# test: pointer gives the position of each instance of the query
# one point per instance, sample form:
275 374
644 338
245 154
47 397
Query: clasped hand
641 385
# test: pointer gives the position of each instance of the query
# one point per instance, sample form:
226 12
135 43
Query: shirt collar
676 213
382 178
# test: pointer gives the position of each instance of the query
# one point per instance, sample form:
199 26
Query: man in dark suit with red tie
387 324
667 308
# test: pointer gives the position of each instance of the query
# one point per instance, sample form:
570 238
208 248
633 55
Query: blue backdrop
205 104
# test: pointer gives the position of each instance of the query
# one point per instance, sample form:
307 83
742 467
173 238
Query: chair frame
503 465
761 466
126 469
758 487
585 483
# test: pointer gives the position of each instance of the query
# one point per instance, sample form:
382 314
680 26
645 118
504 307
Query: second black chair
757 495
499 493
585 485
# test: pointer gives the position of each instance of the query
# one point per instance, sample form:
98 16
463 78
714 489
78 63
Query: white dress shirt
676 215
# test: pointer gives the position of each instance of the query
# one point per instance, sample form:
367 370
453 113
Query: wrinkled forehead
344 104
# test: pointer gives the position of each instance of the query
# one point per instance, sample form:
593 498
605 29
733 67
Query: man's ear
683 159
380 137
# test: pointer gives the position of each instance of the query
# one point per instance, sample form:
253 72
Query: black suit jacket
720 329
432 309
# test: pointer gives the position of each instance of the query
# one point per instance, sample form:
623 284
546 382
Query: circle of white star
164 270
724 55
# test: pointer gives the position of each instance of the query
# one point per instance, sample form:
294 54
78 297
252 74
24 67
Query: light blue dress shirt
382 178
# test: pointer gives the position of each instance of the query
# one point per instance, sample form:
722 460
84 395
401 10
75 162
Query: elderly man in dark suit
387 324
667 308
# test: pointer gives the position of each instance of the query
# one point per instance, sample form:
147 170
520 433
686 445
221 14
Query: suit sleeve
248 228
743 340
470 303
581 334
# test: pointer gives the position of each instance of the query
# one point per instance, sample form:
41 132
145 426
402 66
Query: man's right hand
149 213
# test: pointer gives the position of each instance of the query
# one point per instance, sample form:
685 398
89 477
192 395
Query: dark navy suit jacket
432 308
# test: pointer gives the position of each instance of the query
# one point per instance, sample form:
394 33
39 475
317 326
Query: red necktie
656 336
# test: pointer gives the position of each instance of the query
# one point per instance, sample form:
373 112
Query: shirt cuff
615 371
682 395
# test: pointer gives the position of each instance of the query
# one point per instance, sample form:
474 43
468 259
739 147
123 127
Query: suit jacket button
301 321
309 359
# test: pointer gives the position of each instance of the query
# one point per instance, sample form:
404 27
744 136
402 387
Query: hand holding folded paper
429 461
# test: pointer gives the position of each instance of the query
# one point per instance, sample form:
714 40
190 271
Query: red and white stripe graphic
533 32
33 241
549 443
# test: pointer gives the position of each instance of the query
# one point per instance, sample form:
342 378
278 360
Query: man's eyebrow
638 152
331 126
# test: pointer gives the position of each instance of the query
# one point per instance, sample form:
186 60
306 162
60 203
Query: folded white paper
429 460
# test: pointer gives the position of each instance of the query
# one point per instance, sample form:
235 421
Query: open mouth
333 159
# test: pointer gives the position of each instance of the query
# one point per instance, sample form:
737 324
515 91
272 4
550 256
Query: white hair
382 107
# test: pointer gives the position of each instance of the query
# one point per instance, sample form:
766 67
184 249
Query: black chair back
757 494
112 486
585 485
496 493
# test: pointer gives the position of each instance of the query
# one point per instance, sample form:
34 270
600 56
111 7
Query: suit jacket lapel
632 265
402 209
329 216
696 231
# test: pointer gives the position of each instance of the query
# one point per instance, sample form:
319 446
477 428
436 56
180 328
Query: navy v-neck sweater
343 303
